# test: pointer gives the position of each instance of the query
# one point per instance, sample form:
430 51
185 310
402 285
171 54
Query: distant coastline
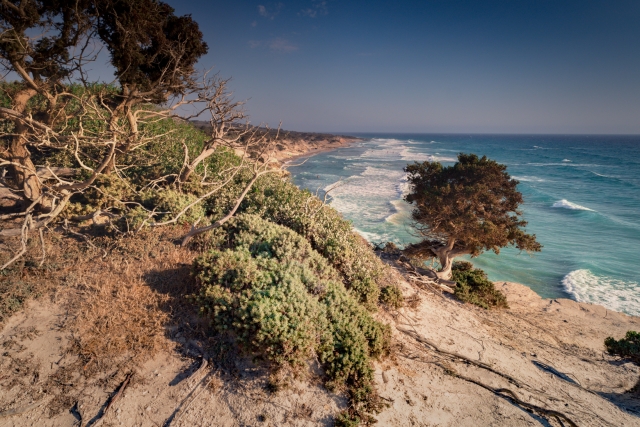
292 145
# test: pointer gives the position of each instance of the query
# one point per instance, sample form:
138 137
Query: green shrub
392 296
475 287
285 302
627 347
171 202
328 233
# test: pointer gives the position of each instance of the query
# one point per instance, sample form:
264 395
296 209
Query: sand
552 348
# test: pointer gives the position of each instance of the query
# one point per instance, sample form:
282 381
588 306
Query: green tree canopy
467 208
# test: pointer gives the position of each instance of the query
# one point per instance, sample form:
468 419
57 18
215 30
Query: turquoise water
582 200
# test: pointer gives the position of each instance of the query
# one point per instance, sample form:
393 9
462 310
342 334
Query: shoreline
297 150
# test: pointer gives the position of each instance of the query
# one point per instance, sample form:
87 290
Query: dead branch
44 249
195 231
45 219
112 400
188 400
24 238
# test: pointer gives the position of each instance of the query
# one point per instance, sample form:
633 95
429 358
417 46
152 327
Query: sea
581 200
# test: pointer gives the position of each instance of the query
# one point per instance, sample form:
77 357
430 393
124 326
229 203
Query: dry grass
121 305
126 300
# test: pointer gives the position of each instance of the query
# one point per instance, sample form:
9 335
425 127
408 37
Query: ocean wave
566 160
564 164
370 237
402 212
526 178
565 204
606 176
409 155
615 294
367 195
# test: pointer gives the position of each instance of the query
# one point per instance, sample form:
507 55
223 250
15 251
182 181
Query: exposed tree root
101 416
511 396
502 392
476 363
20 411
187 401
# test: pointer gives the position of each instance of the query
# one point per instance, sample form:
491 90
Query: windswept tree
465 209
63 136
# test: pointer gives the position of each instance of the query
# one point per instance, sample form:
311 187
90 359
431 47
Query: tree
63 136
48 45
467 208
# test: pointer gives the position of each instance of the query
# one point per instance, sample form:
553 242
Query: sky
518 66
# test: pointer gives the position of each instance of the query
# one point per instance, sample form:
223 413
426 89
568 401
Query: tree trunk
445 271
446 254
188 170
25 176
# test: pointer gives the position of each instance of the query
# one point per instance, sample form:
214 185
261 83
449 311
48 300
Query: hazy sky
514 66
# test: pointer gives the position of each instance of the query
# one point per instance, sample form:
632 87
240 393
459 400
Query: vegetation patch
475 287
283 301
329 234
627 347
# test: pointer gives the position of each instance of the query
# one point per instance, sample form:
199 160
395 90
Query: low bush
475 287
391 295
283 301
282 202
627 347
170 202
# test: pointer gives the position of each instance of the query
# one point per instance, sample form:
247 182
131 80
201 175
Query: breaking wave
615 294
565 204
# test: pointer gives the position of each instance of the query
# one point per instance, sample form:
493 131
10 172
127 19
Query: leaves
475 202
283 300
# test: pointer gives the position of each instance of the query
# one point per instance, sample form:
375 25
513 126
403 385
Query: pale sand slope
552 348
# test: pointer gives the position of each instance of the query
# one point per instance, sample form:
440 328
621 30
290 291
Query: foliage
283 203
145 39
169 202
627 347
391 295
474 287
466 208
283 300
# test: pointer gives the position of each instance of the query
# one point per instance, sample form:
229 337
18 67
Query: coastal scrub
473 286
282 300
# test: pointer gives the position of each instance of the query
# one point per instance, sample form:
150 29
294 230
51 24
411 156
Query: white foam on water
537 147
565 204
527 178
615 294
564 164
409 155
566 160
402 213
370 237
367 195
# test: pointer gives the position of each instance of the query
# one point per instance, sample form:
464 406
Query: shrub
285 302
475 287
627 347
328 233
172 202
392 296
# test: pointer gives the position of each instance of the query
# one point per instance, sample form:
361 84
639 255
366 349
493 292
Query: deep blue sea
582 200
